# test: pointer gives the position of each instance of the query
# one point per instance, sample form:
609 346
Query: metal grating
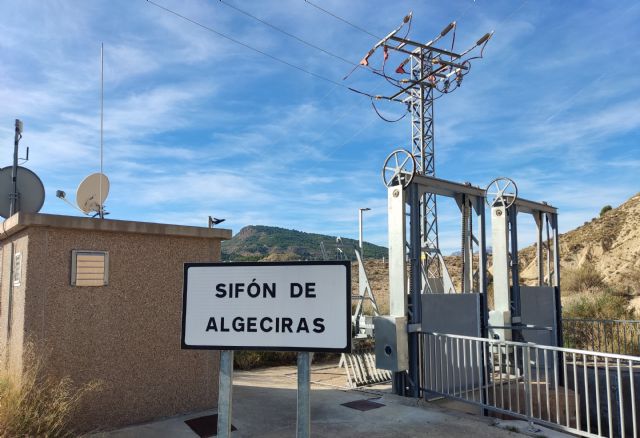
206 426
363 405
361 369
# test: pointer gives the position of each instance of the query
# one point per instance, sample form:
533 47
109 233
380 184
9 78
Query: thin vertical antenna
101 124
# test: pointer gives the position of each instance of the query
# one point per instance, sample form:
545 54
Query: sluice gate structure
500 348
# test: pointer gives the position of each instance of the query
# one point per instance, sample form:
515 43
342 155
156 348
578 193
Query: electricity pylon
433 72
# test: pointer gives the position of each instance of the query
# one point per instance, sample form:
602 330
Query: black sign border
346 264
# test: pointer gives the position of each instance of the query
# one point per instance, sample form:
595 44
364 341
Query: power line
266 23
247 46
386 119
275 58
355 26
290 35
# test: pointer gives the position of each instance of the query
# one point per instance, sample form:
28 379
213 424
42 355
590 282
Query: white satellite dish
92 192
29 188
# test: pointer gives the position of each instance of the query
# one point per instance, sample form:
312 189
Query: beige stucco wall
125 334
12 316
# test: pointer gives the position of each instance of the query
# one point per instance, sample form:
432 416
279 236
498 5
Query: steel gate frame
405 293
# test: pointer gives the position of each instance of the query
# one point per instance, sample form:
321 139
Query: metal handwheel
399 168
501 191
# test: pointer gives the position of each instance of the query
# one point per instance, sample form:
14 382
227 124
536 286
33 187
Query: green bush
605 209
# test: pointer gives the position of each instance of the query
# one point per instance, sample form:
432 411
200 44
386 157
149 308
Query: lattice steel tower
433 72
423 148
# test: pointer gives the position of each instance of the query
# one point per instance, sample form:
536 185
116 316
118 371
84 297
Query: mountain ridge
268 243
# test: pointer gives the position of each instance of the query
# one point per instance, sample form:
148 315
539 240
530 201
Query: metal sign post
225 394
303 422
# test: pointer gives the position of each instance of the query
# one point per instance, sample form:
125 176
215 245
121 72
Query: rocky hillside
262 243
609 244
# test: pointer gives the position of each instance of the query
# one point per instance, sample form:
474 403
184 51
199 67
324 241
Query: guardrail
587 393
605 335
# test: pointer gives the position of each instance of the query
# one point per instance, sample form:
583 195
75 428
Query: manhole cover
363 405
206 426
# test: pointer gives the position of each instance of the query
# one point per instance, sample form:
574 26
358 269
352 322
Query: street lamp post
361 273
360 210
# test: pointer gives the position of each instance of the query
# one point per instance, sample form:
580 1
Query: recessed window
17 269
89 268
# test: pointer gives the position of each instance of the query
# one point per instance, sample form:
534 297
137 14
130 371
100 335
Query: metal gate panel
456 314
539 309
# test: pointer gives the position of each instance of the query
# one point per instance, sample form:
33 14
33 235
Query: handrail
542 347
592 394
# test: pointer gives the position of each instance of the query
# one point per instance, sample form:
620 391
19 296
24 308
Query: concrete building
102 300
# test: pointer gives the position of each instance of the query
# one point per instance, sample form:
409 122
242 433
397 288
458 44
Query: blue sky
196 125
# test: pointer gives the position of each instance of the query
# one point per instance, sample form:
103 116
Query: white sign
299 306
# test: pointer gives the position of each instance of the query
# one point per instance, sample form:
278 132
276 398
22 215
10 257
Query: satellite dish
29 188
92 192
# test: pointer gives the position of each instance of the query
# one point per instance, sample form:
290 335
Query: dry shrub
491 302
36 405
247 360
597 304
383 308
582 333
631 281
581 279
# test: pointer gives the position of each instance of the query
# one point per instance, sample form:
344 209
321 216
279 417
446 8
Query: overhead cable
290 35
247 46
268 55
372 96
384 118
343 20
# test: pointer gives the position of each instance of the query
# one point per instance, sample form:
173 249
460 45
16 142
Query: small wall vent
89 268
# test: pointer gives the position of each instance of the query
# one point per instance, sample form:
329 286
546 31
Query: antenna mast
101 212
433 72
13 203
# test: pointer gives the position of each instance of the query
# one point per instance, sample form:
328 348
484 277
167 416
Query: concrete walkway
264 405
